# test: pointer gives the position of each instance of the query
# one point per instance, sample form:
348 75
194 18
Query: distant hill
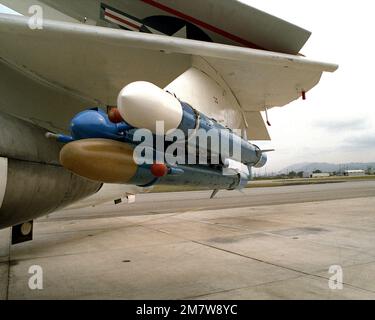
327 167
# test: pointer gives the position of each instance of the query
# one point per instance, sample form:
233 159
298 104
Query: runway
267 243
199 200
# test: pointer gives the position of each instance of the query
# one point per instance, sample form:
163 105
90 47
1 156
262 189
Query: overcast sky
337 122
4 9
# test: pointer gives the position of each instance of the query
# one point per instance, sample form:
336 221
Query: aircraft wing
243 25
92 64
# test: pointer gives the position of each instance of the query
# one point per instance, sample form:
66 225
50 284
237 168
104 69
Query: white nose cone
141 104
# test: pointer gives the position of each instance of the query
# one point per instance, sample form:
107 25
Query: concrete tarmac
267 243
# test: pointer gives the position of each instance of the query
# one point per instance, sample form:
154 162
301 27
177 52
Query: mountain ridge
328 167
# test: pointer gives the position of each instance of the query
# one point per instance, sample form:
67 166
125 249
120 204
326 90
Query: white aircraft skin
83 57
243 25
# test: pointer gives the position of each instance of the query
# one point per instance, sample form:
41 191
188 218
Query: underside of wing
92 64
243 25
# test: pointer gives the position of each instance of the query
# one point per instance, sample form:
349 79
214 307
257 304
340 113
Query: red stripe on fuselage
122 20
203 24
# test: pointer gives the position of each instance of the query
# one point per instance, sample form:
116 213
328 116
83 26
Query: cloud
365 141
343 125
4 9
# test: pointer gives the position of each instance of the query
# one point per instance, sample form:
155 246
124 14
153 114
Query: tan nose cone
101 160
